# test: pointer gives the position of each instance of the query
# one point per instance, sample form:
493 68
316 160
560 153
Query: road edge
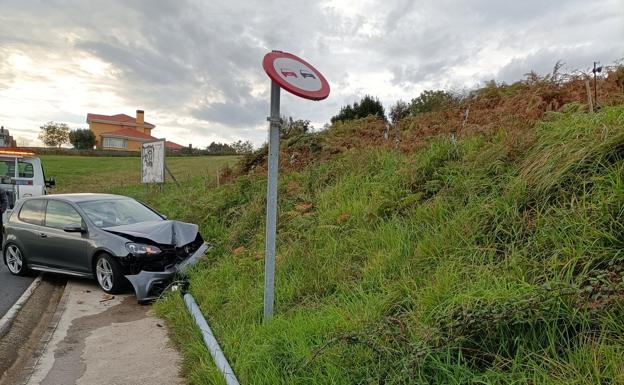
7 320
29 369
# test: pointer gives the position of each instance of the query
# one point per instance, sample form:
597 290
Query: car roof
81 197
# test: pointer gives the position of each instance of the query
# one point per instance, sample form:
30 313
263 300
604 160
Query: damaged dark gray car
112 238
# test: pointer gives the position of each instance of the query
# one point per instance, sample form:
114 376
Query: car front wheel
15 260
109 275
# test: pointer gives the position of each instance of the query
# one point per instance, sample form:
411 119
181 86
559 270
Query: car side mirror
50 183
74 228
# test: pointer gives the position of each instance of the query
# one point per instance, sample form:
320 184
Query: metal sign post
271 213
297 77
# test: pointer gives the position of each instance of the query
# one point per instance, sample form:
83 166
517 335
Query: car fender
101 250
114 246
11 238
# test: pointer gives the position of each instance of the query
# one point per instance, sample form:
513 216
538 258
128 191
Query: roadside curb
29 369
7 320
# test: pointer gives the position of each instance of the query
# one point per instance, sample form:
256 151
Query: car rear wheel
15 260
109 275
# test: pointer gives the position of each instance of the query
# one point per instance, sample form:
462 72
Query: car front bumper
144 281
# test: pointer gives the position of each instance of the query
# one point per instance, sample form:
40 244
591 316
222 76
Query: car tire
109 275
15 260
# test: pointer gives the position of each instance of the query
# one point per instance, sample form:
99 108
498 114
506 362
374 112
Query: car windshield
117 212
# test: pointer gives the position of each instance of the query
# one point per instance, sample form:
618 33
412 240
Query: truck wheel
109 275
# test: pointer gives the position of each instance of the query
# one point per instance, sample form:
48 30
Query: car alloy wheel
104 272
14 259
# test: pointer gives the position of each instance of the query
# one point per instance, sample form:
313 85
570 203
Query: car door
28 229
65 250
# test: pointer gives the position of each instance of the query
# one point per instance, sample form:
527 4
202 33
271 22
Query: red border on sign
267 64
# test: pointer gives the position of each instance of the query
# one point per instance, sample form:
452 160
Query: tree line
54 134
427 101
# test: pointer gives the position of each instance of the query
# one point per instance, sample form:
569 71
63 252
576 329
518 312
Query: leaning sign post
298 77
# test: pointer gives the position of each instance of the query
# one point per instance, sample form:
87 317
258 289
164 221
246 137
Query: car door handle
43 235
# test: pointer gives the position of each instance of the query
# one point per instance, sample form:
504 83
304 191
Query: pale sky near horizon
195 66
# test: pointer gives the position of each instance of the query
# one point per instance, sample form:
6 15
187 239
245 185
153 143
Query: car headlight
140 249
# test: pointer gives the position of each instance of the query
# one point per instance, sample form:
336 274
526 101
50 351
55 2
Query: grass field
106 174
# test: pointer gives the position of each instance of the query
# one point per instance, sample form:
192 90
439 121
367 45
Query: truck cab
21 175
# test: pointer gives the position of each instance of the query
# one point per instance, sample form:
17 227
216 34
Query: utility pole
596 70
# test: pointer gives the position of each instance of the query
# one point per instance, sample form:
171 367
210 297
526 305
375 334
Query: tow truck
21 174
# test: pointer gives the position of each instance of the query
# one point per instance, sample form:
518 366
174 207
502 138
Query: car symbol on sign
307 74
288 72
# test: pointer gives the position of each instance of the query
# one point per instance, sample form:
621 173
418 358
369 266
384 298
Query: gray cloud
202 60
238 115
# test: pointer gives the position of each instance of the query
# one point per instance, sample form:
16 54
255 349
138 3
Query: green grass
458 264
103 174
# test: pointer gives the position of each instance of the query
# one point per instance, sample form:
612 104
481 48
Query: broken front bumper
145 281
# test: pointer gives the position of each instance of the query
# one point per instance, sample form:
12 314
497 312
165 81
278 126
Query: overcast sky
195 66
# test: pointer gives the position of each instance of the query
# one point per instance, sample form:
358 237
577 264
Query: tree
220 149
371 106
289 127
241 147
367 106
399 111
430 101
54 134
346 113
82 139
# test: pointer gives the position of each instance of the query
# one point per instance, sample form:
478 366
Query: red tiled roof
130 133
173 146
119 118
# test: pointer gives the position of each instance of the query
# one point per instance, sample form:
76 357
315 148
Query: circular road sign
295 75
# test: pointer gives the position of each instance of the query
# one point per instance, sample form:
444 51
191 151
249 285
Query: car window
26 170
32 211
116 212
60 214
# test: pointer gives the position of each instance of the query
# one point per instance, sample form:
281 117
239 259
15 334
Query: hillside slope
457 263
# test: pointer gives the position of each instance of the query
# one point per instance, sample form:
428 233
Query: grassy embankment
453 264
106 174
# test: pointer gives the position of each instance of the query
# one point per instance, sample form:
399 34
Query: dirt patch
20 344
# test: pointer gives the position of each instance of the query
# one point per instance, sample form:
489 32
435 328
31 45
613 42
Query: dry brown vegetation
511 110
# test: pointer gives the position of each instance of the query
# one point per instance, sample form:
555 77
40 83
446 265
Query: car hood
163 232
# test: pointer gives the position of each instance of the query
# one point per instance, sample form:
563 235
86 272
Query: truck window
32 212
7 168
26 170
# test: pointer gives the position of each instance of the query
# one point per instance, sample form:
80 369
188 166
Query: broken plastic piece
145 281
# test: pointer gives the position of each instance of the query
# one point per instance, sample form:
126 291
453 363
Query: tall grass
459 263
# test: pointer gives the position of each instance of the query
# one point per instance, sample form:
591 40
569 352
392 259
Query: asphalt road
11 288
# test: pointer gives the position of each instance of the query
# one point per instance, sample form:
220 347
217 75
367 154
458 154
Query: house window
115 143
